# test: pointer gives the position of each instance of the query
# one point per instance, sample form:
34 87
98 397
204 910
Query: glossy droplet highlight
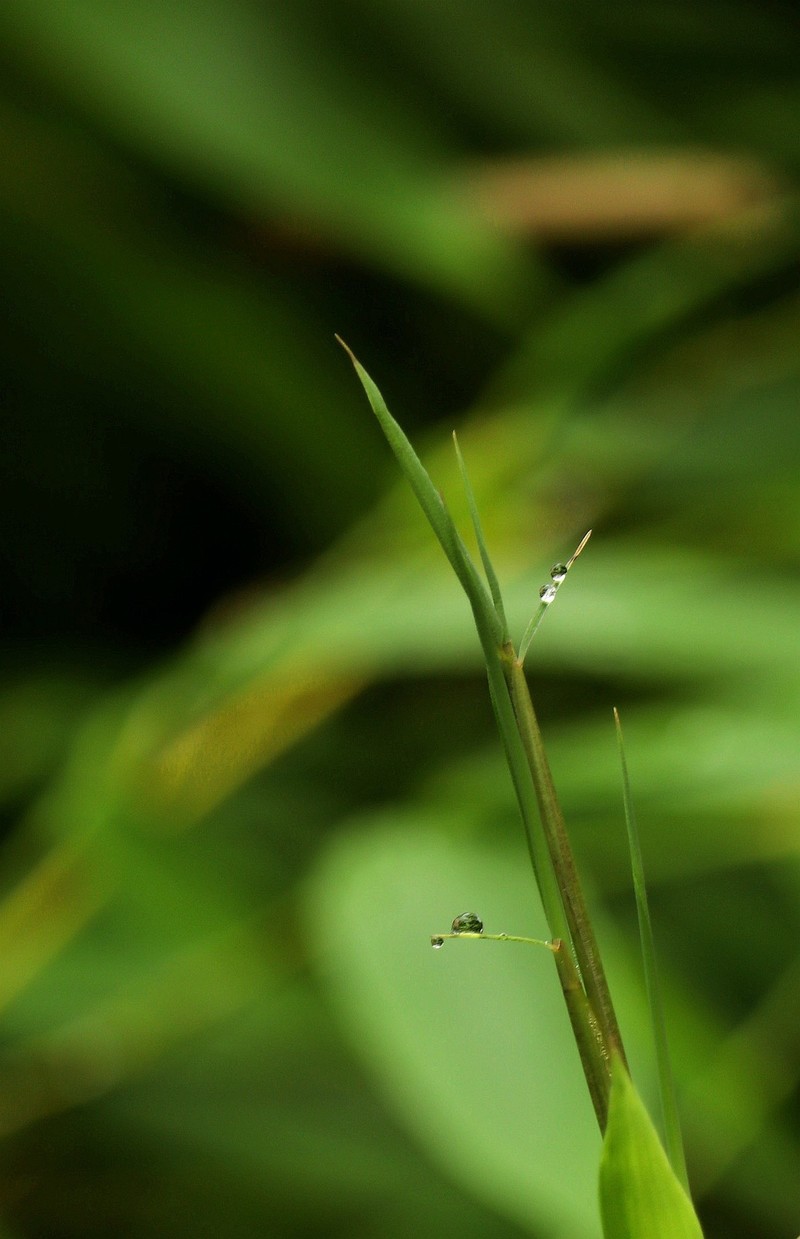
547 593
437 943
558 572
468 923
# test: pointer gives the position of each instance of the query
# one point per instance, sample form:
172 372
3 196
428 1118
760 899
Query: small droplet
437 943
547 593
468 923
558 572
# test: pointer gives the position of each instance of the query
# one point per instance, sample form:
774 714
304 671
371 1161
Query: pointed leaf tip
578 549
346 347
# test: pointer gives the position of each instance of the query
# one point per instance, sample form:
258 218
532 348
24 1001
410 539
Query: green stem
595 1031
519 769
592 1042
563 862
587 1033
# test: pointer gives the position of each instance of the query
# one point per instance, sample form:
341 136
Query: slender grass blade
666 1080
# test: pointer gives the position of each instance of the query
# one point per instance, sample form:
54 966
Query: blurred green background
247 763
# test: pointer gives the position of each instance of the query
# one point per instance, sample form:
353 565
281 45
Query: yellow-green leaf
640 1196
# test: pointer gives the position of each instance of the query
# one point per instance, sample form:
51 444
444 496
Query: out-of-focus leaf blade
236 98
669 1104
471 1043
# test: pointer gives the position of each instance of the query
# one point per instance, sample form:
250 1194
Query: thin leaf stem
465 933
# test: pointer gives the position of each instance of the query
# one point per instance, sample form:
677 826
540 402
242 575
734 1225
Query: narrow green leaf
640 1196
666 1080
531 630
488 566
486 618
558 574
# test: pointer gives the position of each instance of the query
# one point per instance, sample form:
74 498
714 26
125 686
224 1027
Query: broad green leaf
471 1044
640 1197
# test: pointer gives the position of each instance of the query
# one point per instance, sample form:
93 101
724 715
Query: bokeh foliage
246 761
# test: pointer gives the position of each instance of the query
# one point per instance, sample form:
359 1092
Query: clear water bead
437 943
468 923
558 572
547 593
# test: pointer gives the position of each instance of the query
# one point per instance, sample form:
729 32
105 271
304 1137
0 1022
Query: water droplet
437 943
468 923
547 593
558 572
